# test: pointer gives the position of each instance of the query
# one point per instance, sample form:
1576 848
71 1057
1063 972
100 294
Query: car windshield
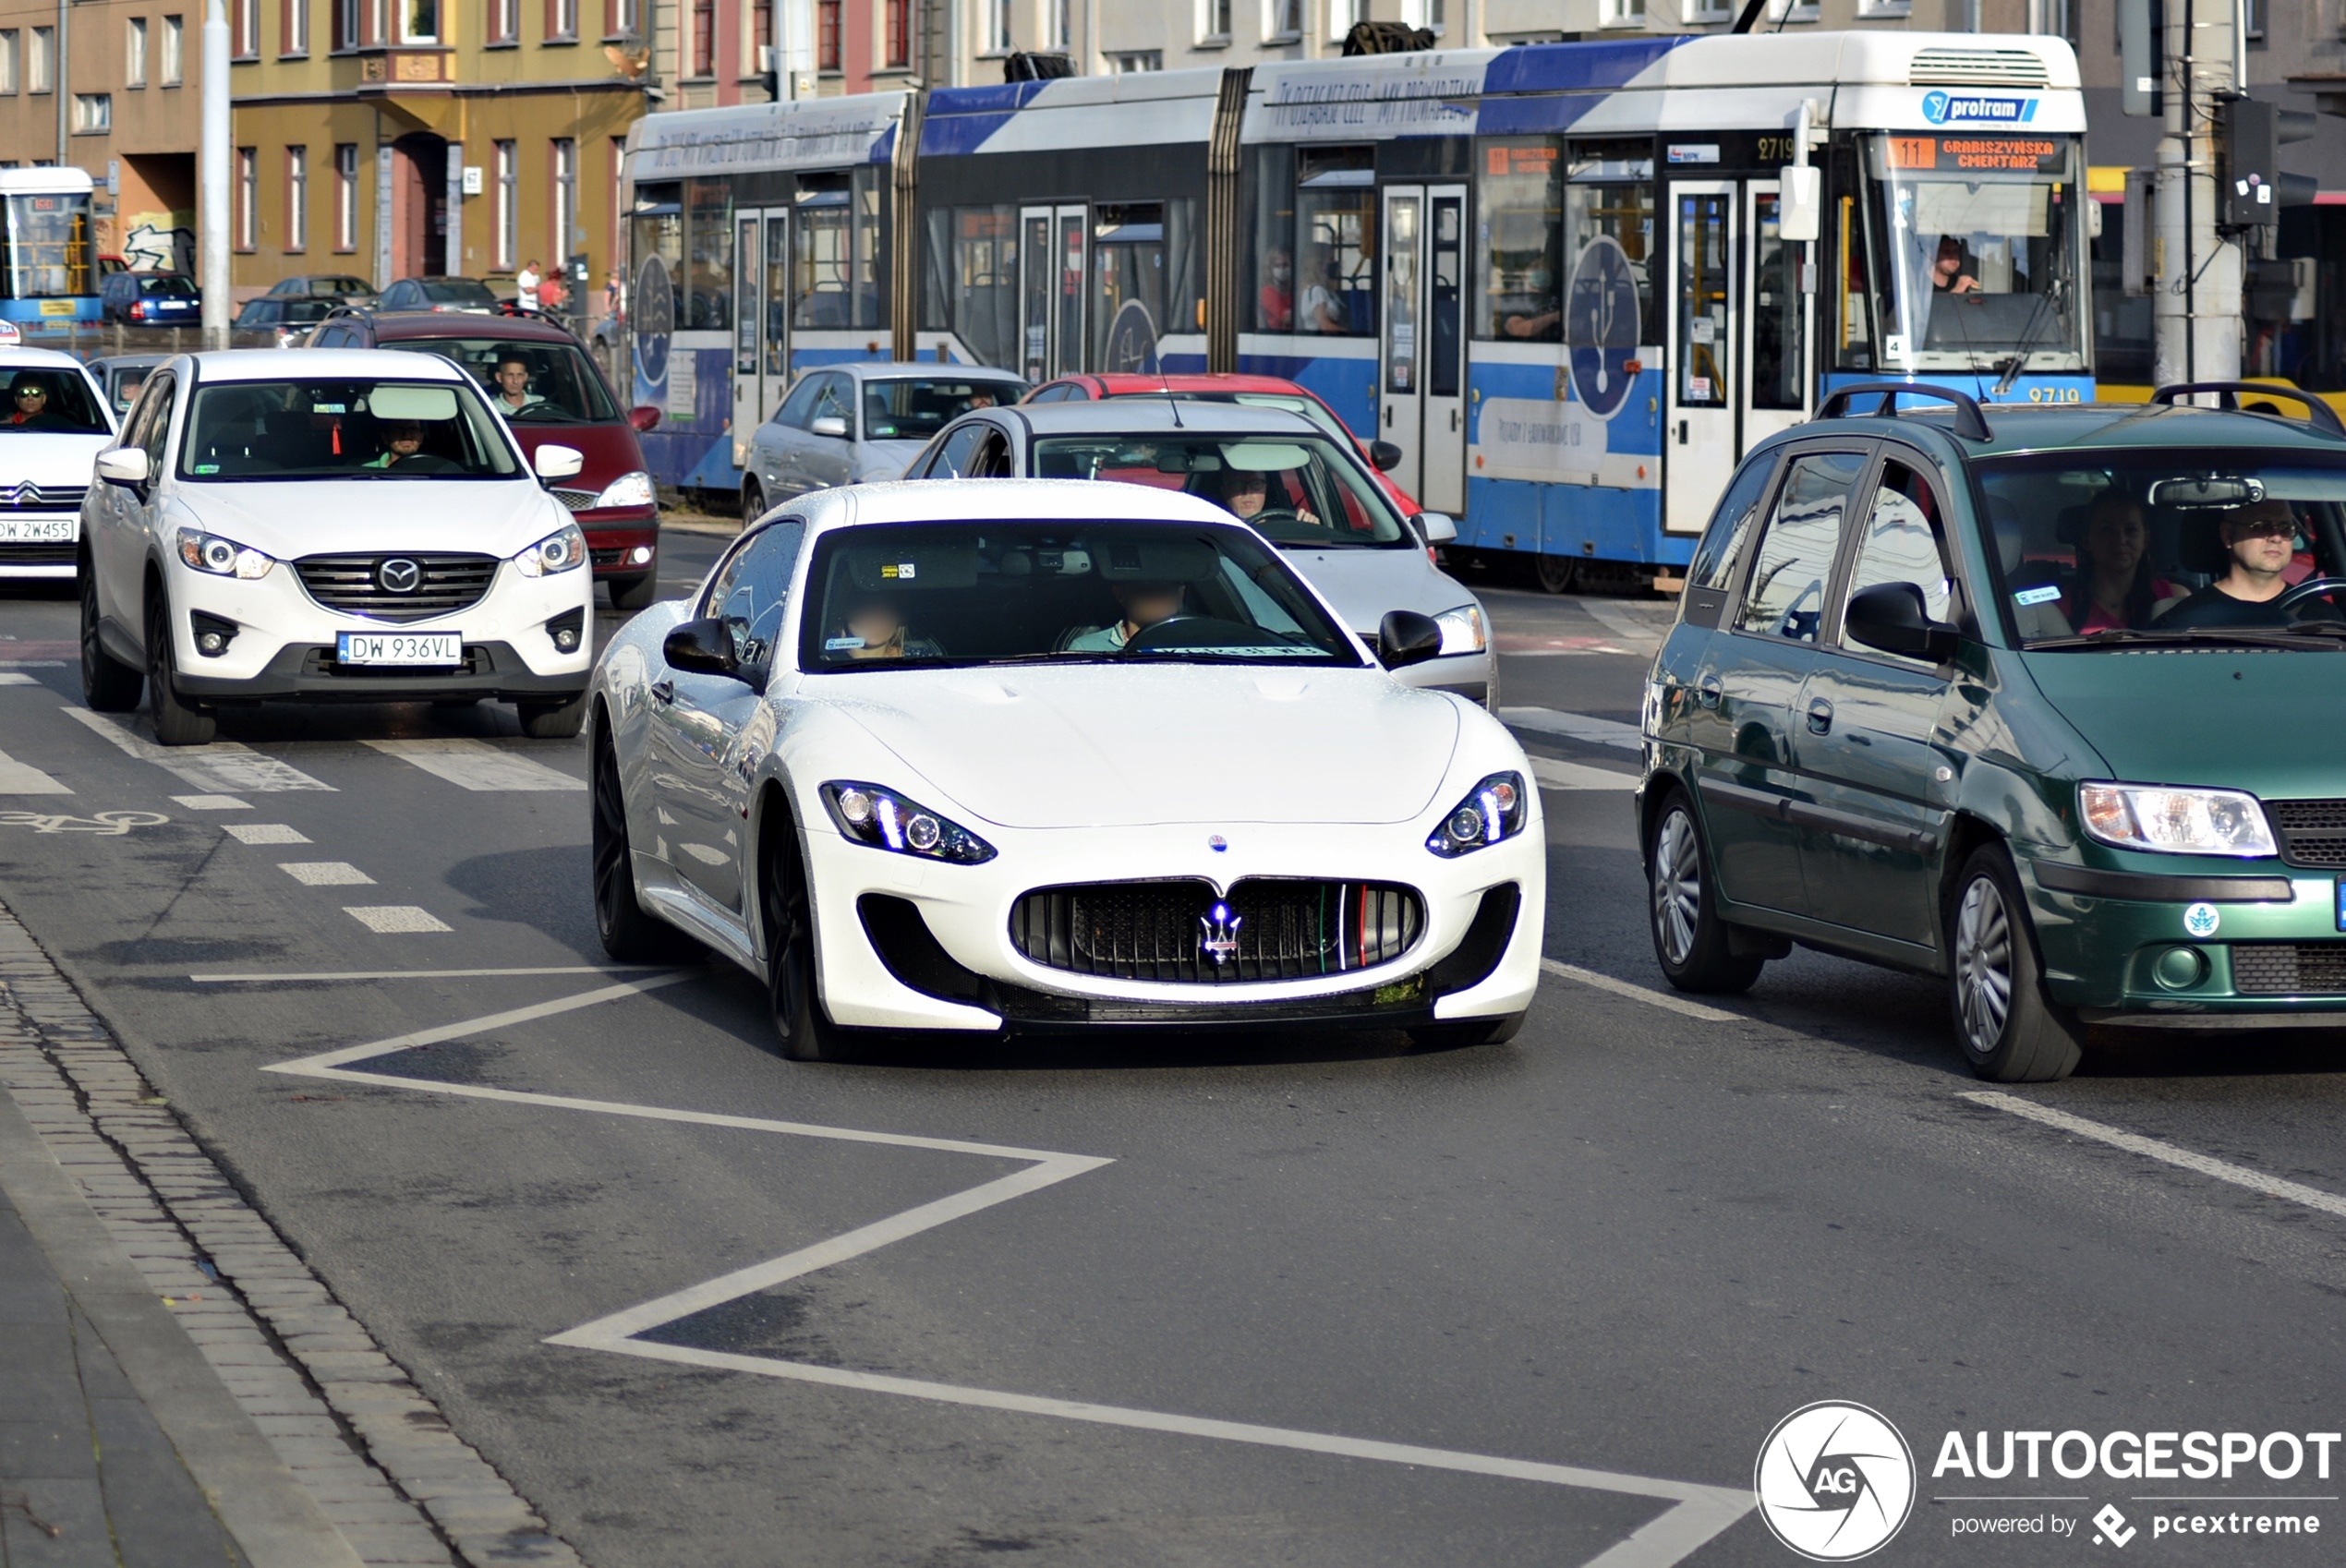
533 382
343 428
41 400
958 593
913 410
1289 403
127 381
1302 492
457 291
168 287
2098 550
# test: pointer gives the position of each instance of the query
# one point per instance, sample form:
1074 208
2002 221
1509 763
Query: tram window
1336 230
869 283
1779 313
821 269
1274 239
707 291
1609 196
1520 191
1141 272
980 287
1846 239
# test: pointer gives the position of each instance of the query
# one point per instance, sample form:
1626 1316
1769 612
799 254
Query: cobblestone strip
379 1457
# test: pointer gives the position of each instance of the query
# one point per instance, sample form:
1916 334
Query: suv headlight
222 558
886 820
2175 822
628 489
1462 630
1493 811
557 551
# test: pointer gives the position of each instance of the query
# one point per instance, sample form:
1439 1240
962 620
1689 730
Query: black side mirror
1404 638
1891 616
703 646
1385 455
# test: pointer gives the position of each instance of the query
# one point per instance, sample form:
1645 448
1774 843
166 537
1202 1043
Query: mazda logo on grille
399 576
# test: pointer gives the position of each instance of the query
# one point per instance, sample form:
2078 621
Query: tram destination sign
1979 154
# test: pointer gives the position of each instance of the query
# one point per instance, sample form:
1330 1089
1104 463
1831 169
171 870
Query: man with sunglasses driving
2259 540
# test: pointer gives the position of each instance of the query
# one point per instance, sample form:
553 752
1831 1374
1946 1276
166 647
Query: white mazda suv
329 525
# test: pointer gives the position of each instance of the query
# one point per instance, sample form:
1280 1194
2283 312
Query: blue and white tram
1572 282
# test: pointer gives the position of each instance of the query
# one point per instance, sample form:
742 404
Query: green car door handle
1706 691
1819 717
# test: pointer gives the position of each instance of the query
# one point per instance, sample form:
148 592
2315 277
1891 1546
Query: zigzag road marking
1697 1513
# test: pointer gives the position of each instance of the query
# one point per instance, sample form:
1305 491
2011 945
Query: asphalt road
1221 1276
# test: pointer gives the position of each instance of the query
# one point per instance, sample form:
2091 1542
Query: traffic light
2251 189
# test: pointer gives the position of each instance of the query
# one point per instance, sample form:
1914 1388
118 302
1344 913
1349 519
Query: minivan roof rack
1970 423
2319 415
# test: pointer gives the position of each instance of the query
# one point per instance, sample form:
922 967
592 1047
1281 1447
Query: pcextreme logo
1834 1481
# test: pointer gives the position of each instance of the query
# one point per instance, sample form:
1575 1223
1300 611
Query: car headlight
1462 630
222 558
628 489
2175 822
886 820
1495 811
557 551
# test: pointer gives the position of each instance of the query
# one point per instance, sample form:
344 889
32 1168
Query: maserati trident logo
1220 935
398 577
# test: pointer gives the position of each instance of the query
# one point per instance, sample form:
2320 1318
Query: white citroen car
323 526
1018 754
54 421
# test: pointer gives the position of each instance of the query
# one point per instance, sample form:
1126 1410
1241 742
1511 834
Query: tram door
761 321
1421 360
1706 334
1775 345
1053 255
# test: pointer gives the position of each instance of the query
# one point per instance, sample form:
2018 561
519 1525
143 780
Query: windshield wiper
2303 634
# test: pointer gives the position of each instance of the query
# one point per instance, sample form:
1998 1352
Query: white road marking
221 766
1643 632
418 973
476 764
31 664
1662 999
213 803
2156 1149
1696 1515
1554 775
18 678
23 778
264 833
325 874
1575 727
395 920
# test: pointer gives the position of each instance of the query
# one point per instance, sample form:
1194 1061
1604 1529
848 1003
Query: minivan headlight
1462 630
222 558
2175 822
557 551
1495 811
883 819
628 489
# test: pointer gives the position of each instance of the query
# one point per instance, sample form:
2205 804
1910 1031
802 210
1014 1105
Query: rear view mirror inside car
2206 490
1264 457
393 401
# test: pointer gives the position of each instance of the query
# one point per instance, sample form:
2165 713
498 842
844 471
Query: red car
561 398
1261 391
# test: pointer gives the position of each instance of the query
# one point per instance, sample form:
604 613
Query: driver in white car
1144 605
1246 491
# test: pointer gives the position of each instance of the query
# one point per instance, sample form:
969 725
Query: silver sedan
852 424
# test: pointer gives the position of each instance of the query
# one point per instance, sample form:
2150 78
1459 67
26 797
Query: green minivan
2047 701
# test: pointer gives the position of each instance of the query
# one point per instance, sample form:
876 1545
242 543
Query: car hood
331 517
51 460
1364 583
2266 722
1115 746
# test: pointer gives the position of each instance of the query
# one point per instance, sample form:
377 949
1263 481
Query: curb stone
304 1371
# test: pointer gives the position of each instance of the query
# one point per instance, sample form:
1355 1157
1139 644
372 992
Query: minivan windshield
1299 491
2101 549
342 428
547 384
954 594
40 401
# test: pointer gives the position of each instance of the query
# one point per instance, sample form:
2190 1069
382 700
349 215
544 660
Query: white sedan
1031 755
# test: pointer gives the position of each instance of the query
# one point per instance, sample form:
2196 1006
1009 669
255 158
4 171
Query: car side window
1725 543
1904 541
154 421
833 402
1785 596
992 459
952 462
798 409
751 591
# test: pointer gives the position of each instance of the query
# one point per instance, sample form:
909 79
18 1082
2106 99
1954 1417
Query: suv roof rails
2319 415
1970 423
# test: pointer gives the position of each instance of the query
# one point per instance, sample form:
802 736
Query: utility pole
212 159
2196 312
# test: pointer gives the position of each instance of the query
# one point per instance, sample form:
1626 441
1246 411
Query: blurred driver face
1145 603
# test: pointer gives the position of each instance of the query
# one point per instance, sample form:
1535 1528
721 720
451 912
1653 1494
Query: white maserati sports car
1036 755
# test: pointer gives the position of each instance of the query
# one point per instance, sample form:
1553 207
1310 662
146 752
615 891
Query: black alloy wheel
177 723
800 1026
629 934
108 685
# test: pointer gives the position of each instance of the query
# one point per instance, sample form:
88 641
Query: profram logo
1977 109
1834 1481
1219 936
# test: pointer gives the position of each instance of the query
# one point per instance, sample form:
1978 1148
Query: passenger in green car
2115 588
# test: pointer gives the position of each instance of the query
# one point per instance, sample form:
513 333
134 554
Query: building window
508 207
296 199
1282 21
896 41
8 64
1213 20
1624 13
93 113
295 43
345 24
1698 13
247 195
999 32
829 25
346 195
42 67
1132 62
623 17
503 20
134 53
419 22
618 204
174 70
562 18
246 41
1344 14
566 235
